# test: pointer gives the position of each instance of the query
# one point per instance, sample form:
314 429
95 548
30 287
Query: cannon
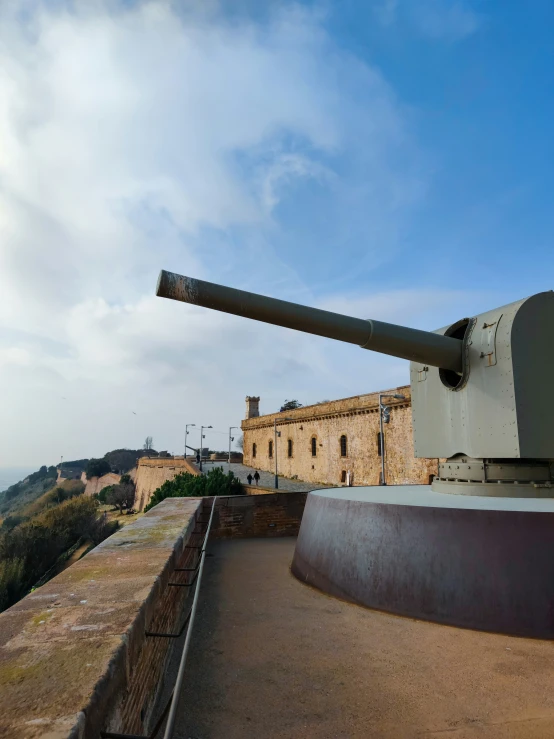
475 548
481 397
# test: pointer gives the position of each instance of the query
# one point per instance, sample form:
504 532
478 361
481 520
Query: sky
388 159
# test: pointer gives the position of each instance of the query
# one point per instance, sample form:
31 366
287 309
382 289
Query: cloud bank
136 137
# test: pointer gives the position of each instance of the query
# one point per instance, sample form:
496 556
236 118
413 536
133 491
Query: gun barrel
408 343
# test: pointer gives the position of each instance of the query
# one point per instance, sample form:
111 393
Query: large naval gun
481 394
481 403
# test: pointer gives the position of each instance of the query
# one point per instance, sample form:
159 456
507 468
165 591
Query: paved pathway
267 479
272 658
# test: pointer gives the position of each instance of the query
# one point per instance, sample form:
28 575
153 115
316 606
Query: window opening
343 447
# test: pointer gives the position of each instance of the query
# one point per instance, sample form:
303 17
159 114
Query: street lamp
277 433
382 409
186 435
230 440
201 442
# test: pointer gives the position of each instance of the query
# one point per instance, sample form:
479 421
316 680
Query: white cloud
134 138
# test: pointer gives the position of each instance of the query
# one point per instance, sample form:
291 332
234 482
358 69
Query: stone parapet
247 516
74 657
331 408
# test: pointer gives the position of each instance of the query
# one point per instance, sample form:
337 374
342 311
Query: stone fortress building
323 443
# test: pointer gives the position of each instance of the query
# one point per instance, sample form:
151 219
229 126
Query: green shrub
185 485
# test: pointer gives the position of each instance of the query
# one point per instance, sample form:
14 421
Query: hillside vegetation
29 548
26 491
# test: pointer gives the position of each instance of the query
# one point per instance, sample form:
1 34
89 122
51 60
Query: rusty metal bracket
188 569
169 635
184 584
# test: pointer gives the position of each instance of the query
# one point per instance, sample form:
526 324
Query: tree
122 496
290 405
240 443
148 443
97 467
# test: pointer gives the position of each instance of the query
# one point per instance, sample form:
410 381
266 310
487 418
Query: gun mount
481 396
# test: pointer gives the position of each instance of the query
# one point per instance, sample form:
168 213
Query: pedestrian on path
249 478
257 477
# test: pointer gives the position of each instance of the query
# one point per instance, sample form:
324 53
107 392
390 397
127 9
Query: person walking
249 478
257 477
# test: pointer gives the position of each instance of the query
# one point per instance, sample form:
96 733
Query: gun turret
387 338
480 387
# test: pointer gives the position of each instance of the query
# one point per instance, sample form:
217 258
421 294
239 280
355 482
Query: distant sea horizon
10 475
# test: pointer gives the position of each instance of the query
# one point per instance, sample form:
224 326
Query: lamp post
201 442
230 440
277 433
396 396
186 435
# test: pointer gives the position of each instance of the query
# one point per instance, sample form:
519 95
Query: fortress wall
152 472
358 419
74 655
96 484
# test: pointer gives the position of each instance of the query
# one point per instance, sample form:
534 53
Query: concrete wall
153 472
358 419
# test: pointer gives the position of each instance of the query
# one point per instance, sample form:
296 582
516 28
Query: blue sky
387 159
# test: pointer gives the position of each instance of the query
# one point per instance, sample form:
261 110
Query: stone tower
252 406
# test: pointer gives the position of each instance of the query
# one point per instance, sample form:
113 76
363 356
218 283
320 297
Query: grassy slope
27 495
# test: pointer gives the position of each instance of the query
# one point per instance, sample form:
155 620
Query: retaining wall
74 657
152 472
274 514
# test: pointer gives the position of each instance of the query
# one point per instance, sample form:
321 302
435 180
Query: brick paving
267 479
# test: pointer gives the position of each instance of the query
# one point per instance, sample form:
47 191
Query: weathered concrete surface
478 562
273 658
68 650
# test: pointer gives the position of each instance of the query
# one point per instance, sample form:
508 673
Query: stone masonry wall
274 514
153 472
358 419
96 484
74 655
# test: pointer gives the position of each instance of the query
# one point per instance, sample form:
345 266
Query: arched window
343 447
270 449
378 443
289 448
314 446
254 450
